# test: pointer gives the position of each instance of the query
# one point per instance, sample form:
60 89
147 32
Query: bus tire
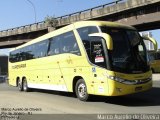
25 85
81 90
20 88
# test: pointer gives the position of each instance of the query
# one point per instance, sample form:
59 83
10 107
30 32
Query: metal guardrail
41 25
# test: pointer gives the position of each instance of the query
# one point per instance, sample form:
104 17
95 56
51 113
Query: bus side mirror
151 40
107 38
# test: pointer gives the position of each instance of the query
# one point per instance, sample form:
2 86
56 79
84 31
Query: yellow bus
87 58
155 61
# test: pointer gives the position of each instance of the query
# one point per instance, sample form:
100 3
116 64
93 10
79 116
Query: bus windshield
129 53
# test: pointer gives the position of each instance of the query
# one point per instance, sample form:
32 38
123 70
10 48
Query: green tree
51 21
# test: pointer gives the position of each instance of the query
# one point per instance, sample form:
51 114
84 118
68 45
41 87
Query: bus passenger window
69 44
83 33
42 48
54 46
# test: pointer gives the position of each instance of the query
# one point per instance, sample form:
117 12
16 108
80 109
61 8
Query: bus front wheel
81 90
25 85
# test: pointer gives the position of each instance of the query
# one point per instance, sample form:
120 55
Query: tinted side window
22 55
69 44
17 54
65 43
28 52
84 32
33 51
54 46
12 57
41 49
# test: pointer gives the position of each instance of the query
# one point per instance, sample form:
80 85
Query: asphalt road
65 106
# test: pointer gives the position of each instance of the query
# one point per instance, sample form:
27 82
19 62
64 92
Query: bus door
98 57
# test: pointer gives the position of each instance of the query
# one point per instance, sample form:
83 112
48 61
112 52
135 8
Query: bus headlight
130 82
116 79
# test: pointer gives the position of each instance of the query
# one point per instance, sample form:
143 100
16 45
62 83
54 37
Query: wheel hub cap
82 90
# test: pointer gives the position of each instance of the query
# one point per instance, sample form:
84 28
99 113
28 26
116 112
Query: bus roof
74 26
101 23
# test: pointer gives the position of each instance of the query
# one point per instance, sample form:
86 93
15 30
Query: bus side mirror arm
107 38
151 40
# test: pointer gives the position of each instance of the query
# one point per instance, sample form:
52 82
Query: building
149 44
3 65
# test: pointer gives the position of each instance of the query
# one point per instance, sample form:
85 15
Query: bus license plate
138 88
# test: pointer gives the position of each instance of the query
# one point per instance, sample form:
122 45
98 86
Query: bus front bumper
119 89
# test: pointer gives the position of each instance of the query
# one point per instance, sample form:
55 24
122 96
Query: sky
16 13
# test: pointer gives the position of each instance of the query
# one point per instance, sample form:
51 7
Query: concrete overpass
142 14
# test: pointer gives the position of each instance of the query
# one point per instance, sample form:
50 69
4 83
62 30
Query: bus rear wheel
25 85
81 90
20 88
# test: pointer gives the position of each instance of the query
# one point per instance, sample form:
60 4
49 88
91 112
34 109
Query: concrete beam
13 42
126 12
141 19
92 13
24 29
